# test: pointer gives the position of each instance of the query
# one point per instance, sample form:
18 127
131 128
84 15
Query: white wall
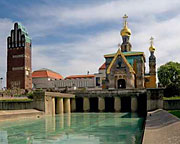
79 83
50 83
42 83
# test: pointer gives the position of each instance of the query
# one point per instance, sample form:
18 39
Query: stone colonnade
117 104
58 103
63 105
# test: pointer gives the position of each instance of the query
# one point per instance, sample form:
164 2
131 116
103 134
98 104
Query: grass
172 98
16 100
175 112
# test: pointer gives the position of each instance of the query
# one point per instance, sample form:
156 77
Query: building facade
19 59
48 79
76 82
44 78
125 69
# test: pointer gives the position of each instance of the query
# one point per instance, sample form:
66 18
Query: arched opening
93 104
109 104
126 104
79 104
56 111
142 104
121 83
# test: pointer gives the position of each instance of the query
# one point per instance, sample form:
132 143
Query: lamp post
1 79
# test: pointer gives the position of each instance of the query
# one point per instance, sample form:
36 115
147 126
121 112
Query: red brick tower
19 59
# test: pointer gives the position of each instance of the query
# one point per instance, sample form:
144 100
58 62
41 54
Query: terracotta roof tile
46 74
79 76
103 66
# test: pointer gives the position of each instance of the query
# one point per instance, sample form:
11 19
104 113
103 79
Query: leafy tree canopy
169 77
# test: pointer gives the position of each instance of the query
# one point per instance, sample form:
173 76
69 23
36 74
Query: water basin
75 128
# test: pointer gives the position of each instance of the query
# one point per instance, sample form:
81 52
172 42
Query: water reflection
3 137
73 128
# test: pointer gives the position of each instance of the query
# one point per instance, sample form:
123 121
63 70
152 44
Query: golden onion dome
125 31
151 48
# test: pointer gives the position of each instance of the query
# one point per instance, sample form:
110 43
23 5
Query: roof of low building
80 76
46 73
103 66
130 53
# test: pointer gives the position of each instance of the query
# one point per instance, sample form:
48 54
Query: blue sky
71 36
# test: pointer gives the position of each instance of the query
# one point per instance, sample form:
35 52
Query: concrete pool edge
161 127
19 114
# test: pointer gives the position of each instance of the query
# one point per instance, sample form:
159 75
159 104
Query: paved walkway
14 114
2 98
162 128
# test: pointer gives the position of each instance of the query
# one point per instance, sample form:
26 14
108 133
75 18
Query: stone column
47 101
61 121
68 120
101 104
73 104
67 105
134 104
60 106
86 104
117 104
53 106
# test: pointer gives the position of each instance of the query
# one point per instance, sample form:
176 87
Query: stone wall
39 100
37 103
16 105
171 104
155 99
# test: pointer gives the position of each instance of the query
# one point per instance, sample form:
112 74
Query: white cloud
5 26
86 52
144 25
107 11
80 56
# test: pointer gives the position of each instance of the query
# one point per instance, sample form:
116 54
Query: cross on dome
151 48
151 41
125 17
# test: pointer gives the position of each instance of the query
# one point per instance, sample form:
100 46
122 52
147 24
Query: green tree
169 77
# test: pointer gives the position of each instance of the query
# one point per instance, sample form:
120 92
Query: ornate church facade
125 69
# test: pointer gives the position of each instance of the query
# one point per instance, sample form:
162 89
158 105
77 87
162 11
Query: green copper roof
130 56
126 54
24 31
132 52
20 26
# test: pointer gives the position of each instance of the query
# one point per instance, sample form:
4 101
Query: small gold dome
125 31
152 48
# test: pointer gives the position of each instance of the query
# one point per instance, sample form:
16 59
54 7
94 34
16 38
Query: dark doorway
126 104
121 83
109 104
79 104
56 106
142 104
93 104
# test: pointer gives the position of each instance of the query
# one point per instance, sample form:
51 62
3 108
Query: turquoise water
75 128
